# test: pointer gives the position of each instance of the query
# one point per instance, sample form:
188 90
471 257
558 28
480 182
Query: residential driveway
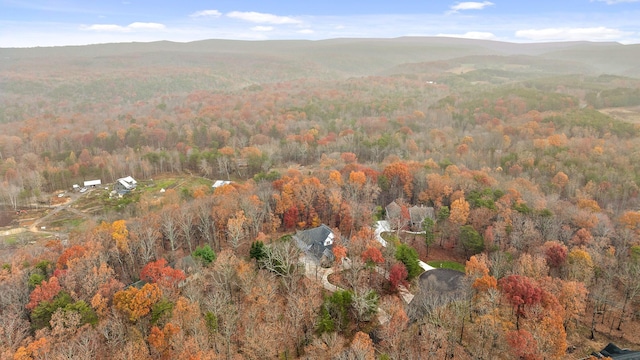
436 287
316 272
441 280
381 226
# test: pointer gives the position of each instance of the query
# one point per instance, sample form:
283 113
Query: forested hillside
524 158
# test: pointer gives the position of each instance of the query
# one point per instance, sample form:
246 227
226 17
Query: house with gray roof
393 211
125 185
611 351
397 216
317 243
418 214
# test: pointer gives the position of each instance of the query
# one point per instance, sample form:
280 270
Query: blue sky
73 22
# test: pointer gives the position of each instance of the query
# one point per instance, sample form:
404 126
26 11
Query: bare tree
629 278
185 222
283 259
170 228
205 167
236 229
10 193
146 238
206 223
13 328
224 165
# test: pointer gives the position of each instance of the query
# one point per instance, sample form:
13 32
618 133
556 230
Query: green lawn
446 264
176 183
71 223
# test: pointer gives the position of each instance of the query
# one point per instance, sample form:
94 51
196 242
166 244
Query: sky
34 23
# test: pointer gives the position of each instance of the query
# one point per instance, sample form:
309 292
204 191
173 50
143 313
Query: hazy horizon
71 22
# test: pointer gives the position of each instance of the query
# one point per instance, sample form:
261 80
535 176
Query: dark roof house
393 210
418 214
615 353
397 215
317 243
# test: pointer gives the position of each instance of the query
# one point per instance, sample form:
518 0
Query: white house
125 185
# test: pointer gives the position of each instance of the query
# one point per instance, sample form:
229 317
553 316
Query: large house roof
129 180
317 242
419 213
127 184
393 210
615 353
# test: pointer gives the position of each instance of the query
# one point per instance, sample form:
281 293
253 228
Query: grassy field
171 182
446 264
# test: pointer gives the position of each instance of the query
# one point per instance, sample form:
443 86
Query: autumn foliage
556 254
533 174
523 345
521 292
46 291
398 275
373 255
159 272
136 303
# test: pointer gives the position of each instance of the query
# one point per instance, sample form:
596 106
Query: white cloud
470 5
128 28
145 26
262 18
478 35
262 28
206 13
572 34
105 27
306 31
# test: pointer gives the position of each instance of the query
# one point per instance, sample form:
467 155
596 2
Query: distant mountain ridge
255 62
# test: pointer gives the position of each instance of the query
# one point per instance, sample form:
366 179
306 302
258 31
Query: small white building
92 183
219 183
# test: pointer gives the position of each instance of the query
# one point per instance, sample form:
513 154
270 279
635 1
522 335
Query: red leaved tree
160 340
556 254
372 255
398 275
158 272
522 345
520 291
74 252
291 217
46 291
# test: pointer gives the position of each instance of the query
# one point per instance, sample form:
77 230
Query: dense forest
525 156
